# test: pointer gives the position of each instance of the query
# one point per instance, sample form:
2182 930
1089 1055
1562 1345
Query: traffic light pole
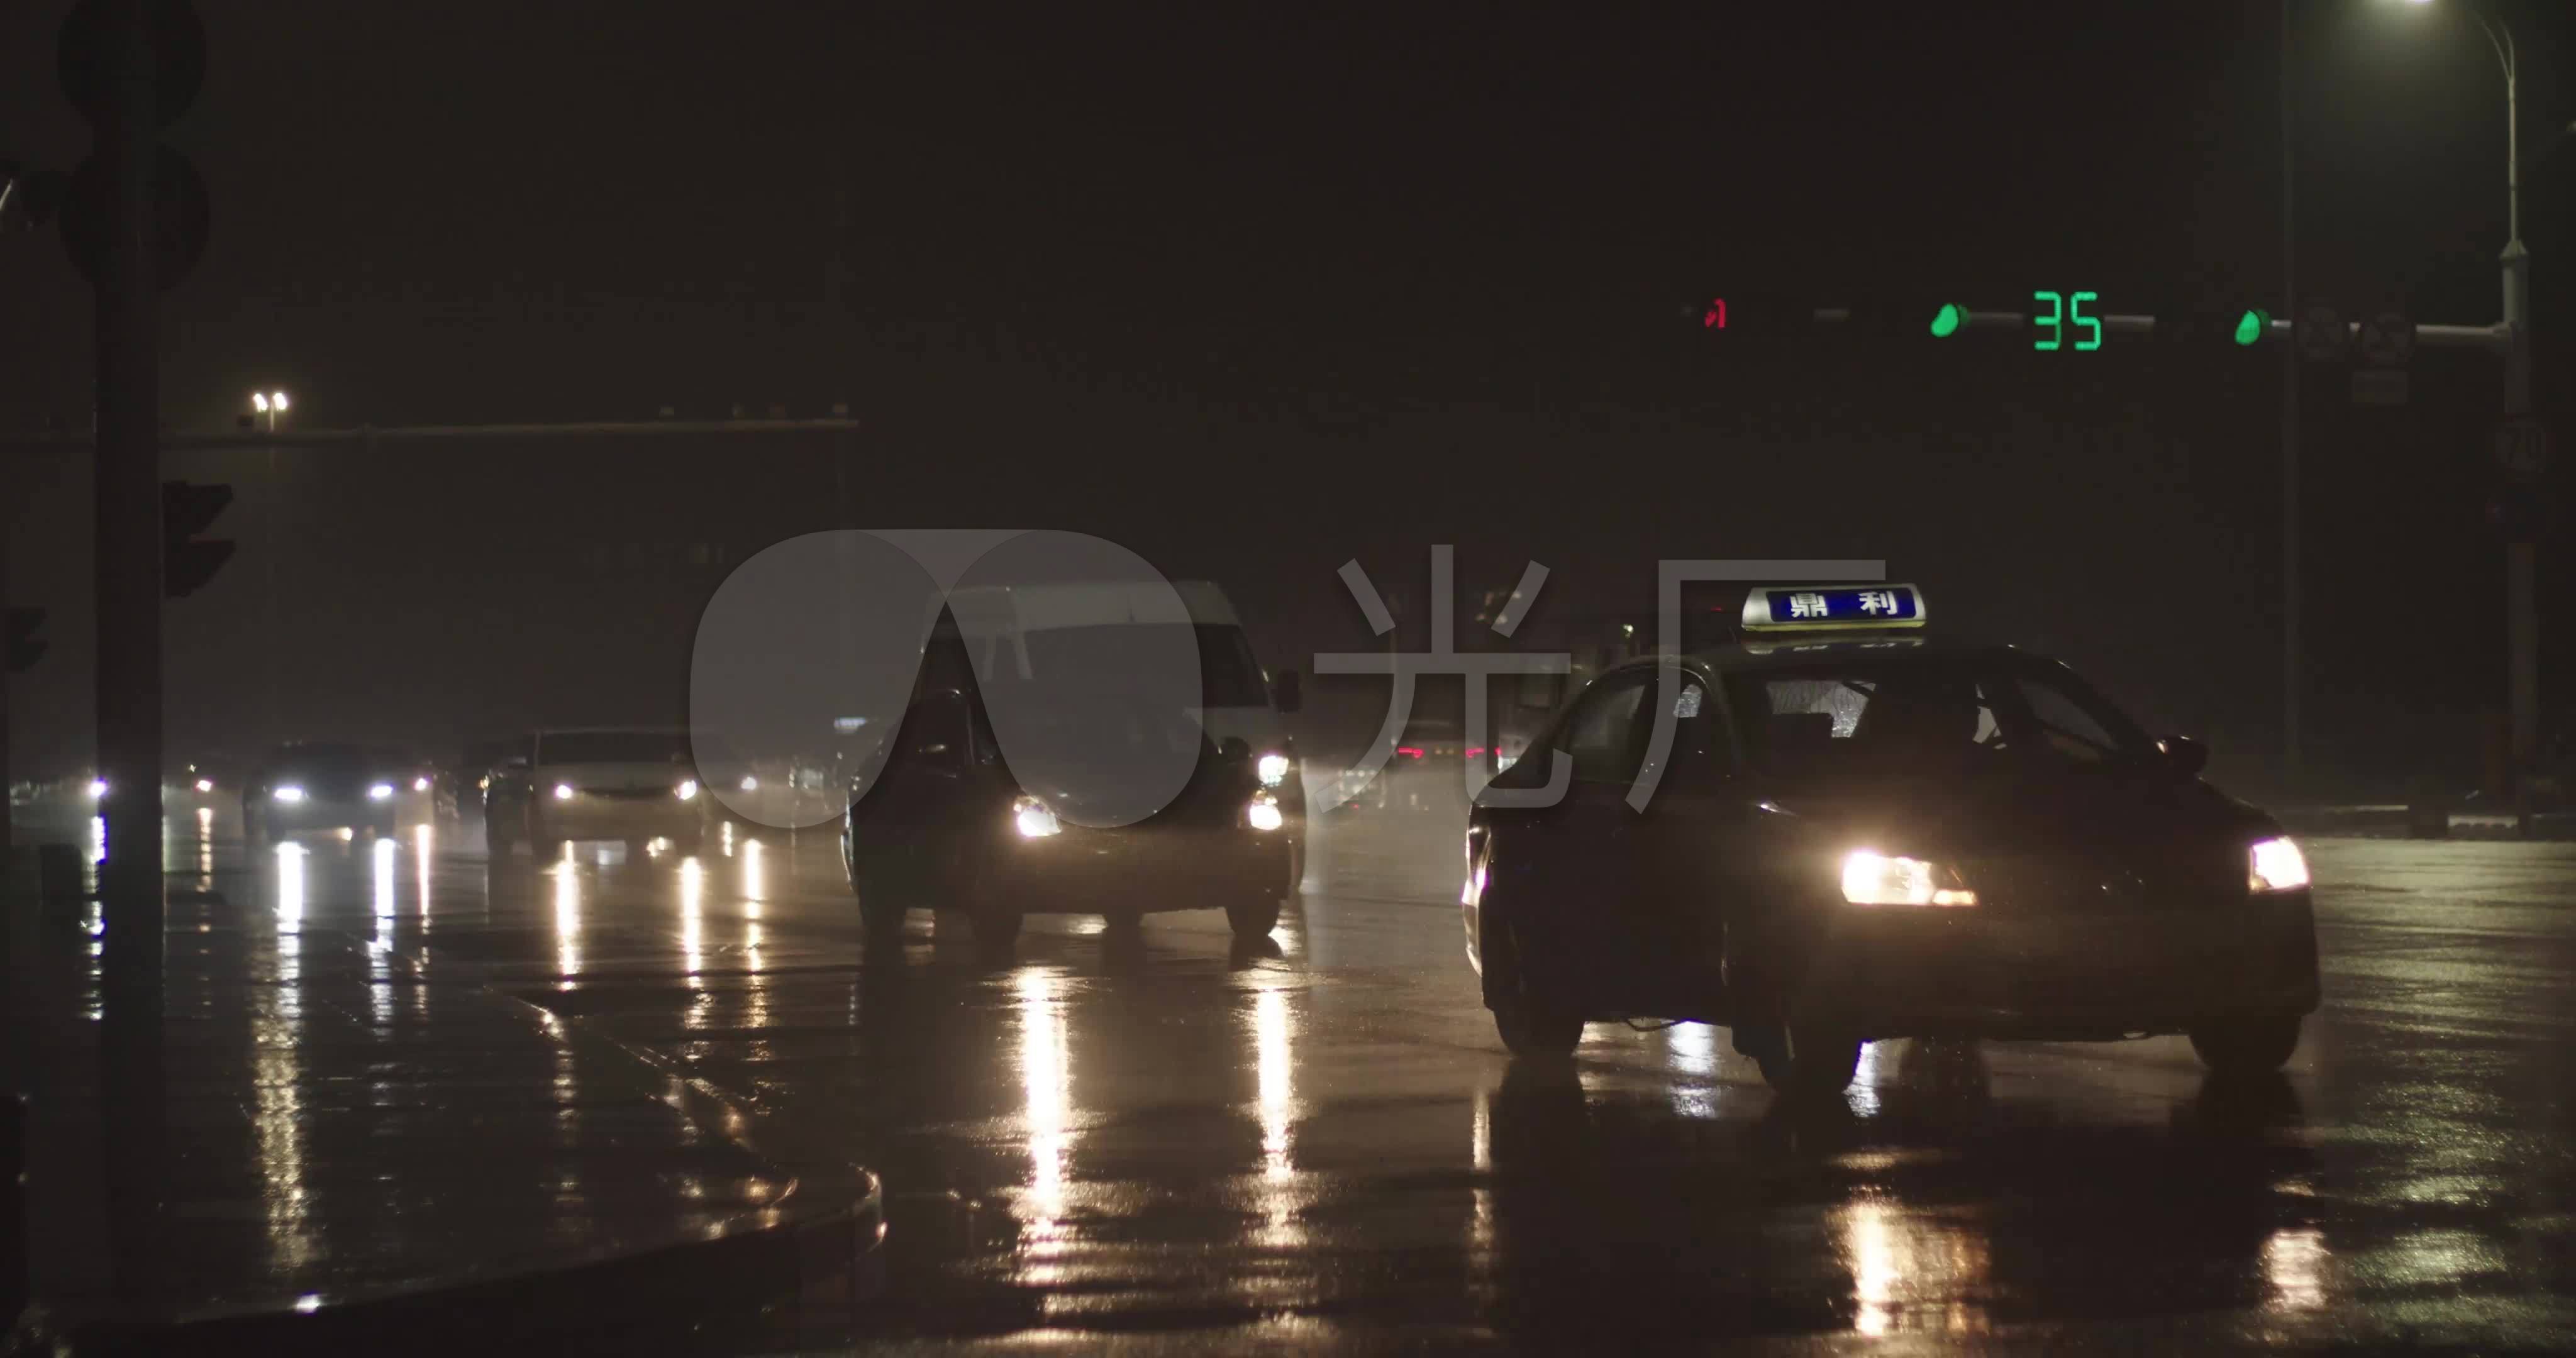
127 511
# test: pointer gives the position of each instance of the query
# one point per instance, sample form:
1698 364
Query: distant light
688 788
750 784
277 401
563 792
1948 319
259 402
845 725
380 792
420 784
205 785
1715 317
97 788
309 1303
2250 326
288 793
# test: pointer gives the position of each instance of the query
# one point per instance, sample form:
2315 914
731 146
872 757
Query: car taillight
1409 751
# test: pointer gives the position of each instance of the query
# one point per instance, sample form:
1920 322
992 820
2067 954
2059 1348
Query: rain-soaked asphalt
1166 1139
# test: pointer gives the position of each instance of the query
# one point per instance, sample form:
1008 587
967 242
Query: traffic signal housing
189 561
26 640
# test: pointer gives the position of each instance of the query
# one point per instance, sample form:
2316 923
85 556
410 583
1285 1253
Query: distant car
636 784
304 787
947 823
1860 832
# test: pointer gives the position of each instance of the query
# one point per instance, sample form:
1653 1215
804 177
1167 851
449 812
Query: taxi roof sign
1833 608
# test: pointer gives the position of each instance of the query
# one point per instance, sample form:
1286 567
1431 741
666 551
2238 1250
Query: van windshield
1228 675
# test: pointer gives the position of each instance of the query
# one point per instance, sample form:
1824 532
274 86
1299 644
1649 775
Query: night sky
1256 293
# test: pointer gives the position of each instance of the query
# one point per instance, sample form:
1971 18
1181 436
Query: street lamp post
2521 569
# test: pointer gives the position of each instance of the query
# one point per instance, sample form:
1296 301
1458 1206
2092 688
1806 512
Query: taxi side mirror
2184 755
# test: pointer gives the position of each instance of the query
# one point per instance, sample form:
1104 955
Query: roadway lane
1163 1137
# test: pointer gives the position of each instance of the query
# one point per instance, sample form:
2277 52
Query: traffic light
87 57
1908 317
26 646
1723 317
2212 327
188 561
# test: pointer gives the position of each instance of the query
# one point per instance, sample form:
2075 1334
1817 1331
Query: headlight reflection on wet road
1046 1085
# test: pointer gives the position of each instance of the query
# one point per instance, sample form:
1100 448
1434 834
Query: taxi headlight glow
688 788
1874 878
2275 865
563 792
380 792
1264 813
1034 819
288 793
1273 769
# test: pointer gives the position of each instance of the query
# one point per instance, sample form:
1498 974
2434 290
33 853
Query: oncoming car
948 822
1858 832
303 787
637 784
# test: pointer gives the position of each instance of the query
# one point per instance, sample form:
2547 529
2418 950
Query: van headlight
2275 865
1273 769
1874 878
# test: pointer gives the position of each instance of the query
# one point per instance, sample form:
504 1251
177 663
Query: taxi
1841 828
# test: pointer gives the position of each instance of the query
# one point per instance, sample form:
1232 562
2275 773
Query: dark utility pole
128 542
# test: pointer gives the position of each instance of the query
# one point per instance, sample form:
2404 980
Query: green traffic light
1948 319
2250 326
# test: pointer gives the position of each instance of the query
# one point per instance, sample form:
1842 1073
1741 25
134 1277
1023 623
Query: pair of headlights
290 794
1034 819
1873 878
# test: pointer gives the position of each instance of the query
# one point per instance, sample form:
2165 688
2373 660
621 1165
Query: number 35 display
2060 310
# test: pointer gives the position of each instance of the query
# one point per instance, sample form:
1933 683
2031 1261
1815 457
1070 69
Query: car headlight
750 784
563 792
688 788
1273 769
287 793
1873 878
420 784
2275 865
97 788
380 792
205 785
1035 819
1264 813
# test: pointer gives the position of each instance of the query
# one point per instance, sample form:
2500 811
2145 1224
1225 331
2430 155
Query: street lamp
269 404
2522 610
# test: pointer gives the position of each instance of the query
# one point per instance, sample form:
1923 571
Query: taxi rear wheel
2252 1046
1799 1059
1530 1025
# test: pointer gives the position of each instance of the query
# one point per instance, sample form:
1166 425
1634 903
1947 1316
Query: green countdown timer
2065 309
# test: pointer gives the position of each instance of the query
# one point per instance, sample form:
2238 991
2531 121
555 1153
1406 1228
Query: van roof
987 610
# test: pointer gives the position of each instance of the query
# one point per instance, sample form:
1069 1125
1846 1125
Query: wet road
1167 1138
